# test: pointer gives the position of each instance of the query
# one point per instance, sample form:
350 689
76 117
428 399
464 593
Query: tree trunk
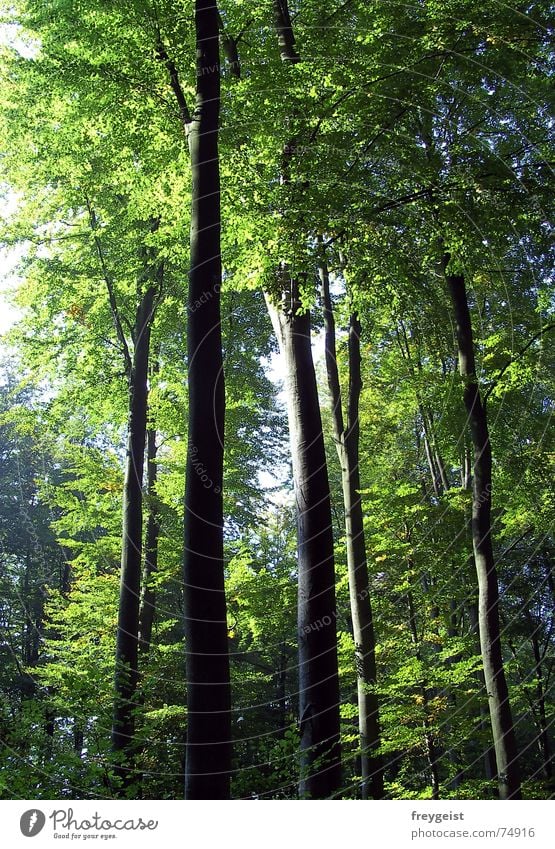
543 739
281 690
148 595
126 670
454 755
286 38
490 763
318 670
431 752
488 600
208 748
347 444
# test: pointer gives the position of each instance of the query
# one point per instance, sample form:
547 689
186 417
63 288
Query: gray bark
347 439
488 598
318 669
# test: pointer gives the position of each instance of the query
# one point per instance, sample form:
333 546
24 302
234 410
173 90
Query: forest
276 402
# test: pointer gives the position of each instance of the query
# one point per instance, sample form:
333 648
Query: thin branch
517 357
175 84
110 287
331 352
514 544
284 29
229 45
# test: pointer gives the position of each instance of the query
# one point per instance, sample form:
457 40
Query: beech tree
346 435
294 627
208 688
488 601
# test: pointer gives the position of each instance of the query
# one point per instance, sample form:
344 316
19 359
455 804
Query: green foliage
404 132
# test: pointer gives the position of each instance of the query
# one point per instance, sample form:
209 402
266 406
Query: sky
9 257
8 281
9 36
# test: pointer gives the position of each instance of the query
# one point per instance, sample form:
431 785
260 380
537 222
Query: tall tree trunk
440 480
347 443
147 605
543 739
320 764
126 669
454 755
281 690
488 599
318 669
148 596
286 38
490 763
431 752
208 748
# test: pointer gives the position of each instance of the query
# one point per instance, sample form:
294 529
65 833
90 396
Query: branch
338 10
229 45
394 204
517 357
175 84
331 352
284 29
110 287
514 544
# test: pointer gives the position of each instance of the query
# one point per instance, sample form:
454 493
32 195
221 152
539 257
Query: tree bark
431 751
126 666
490 763
318 669
543 739
208 747
285 33
150 565
347 441
320 750
488 599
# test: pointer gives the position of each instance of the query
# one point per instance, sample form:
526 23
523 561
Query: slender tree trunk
148 596
281 690
78 737
208 748
286 38
454 755
318 670
431 752
126 670
488 600
347 443
543 739
490 763
440 480
147 607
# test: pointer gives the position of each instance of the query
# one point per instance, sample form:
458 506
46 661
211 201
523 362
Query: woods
276 494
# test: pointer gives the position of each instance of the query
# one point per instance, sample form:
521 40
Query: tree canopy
276 493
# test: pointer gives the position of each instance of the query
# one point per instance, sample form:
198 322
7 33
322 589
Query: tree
208 688
488 601
381 129
127 639
318 675
346 436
